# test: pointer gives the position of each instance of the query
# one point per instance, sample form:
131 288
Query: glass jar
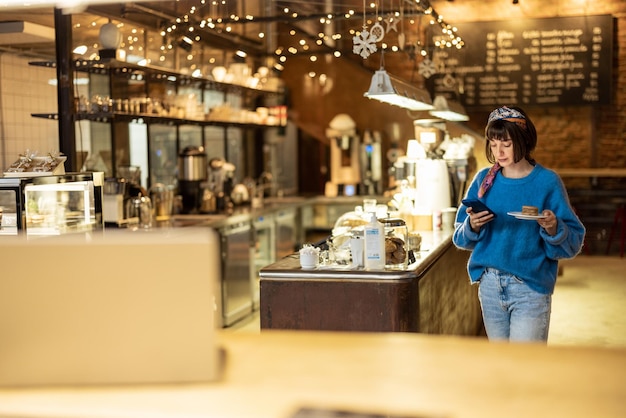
396 237
139 212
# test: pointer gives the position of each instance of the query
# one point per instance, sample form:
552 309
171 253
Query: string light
196 25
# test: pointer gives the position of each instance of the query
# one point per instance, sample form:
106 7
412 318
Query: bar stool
619 221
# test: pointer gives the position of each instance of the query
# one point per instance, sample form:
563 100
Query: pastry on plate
530 210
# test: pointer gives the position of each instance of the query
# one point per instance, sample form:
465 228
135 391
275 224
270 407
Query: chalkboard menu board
528 62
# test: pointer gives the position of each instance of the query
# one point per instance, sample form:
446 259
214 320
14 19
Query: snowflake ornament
426 68
364 44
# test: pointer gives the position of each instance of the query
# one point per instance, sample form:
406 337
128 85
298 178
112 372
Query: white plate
520 215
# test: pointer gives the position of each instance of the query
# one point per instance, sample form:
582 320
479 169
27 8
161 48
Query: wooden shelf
119 68
106 117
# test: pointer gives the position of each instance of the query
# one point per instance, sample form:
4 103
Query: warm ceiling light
110 36
185 43
448 110
396 92
80 50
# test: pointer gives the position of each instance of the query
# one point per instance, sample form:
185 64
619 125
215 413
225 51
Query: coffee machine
345 157
192 173
117 193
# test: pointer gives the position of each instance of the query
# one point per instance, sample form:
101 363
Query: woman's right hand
477 220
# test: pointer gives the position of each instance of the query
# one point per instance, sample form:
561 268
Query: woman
515 261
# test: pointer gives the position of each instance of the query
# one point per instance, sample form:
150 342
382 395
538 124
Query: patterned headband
508 114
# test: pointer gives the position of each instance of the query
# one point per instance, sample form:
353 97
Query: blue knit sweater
521 247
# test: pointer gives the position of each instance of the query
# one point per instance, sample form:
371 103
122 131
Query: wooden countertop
245 213
434 243
272 374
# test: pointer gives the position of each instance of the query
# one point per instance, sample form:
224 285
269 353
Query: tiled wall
24 89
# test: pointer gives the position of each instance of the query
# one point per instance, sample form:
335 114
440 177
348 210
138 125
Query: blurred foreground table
273 374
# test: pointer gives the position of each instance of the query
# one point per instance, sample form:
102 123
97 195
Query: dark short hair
524 138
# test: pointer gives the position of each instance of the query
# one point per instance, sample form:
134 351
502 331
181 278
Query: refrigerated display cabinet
51 205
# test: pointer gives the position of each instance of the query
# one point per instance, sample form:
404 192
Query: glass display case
51 205
11 205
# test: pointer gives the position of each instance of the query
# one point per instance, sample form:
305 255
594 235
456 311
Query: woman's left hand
549 223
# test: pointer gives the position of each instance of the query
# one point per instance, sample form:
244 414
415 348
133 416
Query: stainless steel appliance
458 169
192 173
236 272
220 182
371 165
264 251
114 200
285 220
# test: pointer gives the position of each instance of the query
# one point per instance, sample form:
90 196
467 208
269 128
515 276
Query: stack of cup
309 257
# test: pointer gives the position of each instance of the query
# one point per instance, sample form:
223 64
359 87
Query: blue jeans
512 310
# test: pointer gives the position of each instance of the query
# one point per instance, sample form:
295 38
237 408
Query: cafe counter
433 295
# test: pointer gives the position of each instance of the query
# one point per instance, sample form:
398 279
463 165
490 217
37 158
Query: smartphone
477 206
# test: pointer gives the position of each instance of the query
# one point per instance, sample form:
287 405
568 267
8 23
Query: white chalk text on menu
554 61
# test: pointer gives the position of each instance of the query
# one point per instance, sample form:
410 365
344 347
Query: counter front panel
432 296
